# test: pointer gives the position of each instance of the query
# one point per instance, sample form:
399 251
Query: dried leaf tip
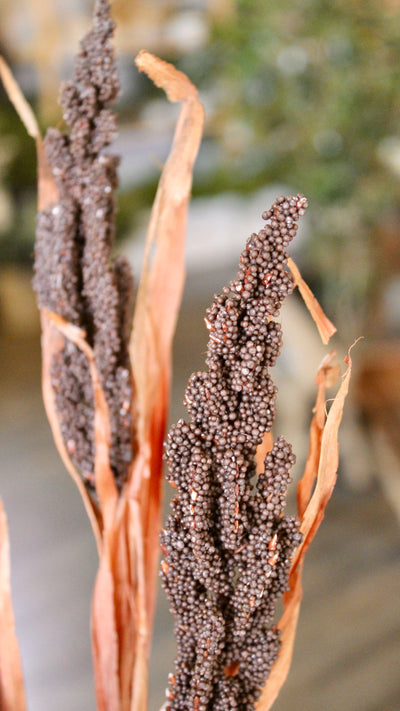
325 327
175 83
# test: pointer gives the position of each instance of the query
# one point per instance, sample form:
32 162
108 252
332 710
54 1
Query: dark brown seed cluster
227 544
74 272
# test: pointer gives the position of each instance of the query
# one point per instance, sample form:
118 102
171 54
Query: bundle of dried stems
119 386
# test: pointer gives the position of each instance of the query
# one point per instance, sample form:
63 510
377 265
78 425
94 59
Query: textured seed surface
227 543
75 275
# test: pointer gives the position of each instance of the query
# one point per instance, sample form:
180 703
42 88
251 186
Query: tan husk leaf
325 326
104 637
102 517
52 342
140 672
157 306
327 375
321 466
105 484
327 468
12 697
161 284
51 337
105 604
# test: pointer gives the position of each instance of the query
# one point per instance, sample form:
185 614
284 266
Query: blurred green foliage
312 88
307 94
304 94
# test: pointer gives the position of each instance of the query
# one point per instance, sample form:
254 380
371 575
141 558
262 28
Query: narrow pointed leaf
327 468
105 484
326 376
324 458
52 342
158 301
12 696
162 282
325 326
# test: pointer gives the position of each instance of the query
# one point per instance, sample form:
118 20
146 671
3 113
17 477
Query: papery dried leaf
108 608
327 468
104 636
161 288
125 581
47 189
114 616
327 374
52 342
12 696
105 484
322 464
325 326
158 301
142 631
176 84
157 306
54 331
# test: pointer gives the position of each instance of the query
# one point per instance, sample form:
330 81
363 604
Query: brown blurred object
377 392
382 315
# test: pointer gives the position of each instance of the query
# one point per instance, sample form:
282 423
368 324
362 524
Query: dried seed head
229 543
74 273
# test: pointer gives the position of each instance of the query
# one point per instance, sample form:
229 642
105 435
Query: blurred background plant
302 94
299 97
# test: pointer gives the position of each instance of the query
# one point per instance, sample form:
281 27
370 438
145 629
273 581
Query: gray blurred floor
348 647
